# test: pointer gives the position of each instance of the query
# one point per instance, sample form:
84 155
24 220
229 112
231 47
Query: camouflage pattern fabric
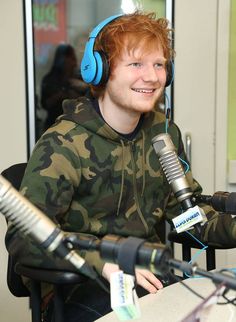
89 179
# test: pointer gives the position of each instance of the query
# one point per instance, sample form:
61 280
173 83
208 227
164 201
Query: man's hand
144 278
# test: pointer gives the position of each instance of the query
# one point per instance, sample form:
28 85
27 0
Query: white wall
201 93
12 84
12 131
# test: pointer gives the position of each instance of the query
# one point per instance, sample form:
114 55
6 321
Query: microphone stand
131 251
193 269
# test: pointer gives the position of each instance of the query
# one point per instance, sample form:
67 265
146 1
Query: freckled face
137 80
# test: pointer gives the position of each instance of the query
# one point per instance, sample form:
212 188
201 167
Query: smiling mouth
145 91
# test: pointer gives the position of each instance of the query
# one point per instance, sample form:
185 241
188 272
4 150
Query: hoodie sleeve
219 229
51 177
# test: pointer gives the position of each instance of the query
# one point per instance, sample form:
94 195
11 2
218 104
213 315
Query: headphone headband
102 24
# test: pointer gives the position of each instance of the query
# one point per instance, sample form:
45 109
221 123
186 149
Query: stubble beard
132 109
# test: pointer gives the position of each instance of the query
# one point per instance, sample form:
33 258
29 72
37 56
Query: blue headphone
94 65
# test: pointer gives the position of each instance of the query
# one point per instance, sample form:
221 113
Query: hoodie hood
82 112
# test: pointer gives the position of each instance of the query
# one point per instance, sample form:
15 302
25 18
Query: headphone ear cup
169 72
102 72
88 64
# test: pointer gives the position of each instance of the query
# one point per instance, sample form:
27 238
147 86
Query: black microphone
221 201
175 175
127 252
32 222
131 251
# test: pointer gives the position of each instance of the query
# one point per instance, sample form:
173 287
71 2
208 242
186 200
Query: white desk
175 302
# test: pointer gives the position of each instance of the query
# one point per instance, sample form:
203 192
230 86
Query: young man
95 171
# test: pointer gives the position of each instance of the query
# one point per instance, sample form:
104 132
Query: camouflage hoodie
89 179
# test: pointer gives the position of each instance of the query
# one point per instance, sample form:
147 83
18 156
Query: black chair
188 243
15 270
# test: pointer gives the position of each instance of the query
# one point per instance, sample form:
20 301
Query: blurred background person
61 82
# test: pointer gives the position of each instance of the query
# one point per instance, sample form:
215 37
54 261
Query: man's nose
150 74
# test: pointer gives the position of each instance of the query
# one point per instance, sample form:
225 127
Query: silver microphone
175 175
32 222
172 168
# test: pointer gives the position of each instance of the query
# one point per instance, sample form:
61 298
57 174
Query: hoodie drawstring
143 163
122 177
123 171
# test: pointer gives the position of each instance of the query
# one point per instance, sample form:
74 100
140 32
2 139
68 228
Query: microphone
176 178
126 251
32 222
221 201
131 251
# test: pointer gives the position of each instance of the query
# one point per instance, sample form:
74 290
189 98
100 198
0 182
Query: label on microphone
124 300
188 219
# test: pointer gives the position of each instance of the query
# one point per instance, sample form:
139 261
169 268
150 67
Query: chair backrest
14 174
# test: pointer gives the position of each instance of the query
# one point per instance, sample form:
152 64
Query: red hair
139 29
